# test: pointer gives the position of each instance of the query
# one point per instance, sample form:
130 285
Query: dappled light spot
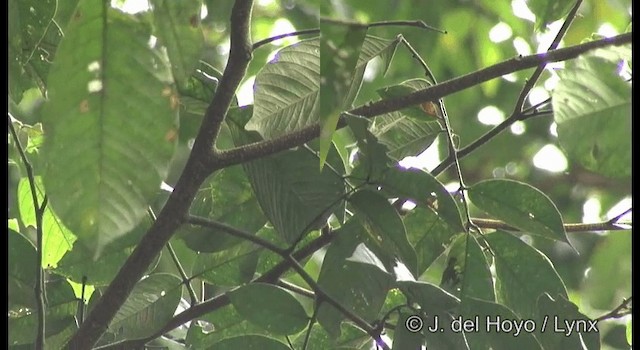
490 115
500 32
94 85
550 158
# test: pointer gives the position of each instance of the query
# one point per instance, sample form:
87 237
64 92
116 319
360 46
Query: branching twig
39 289
185 279
518 113
621 310
268 147
614 220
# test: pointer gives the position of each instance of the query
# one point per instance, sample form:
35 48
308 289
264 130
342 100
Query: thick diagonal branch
174 211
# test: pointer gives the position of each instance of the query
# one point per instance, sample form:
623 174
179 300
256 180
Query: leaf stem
263 42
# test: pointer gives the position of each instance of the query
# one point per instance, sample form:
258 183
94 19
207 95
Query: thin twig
621 310
263 42
81 306
404 23
614 220
518 113
453 151
312 322
295 288
577 227
185 279
39 288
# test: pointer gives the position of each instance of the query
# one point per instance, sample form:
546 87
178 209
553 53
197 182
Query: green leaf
609 274
521 206
340 45
592 106
468 272
227 197
424 189
523 274
60 310
270 307
564 326
547 11
429 111
150 305
101 176
21 271
361 288
178 28
56 238
385 226
429 234
231 267
404 136
497 327
293 193
629 332
222 323
249 342
372 160
79 262
405 339
430 297
287 90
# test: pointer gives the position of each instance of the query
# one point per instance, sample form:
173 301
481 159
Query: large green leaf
222 323
562 326
424 189
227 197
293 193
178 28
249 342
498 327
340 45
56 238
287 90
361 288
150 305
592 106
403 338
523 274
21 270
429 234
270 307
468 273
229 267
61 307
520 205
430 297
109 124
385 226
547 11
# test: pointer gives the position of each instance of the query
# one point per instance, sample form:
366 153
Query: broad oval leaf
20 268
230 267
520 205
592 106
287 90
150 305
523 274
178 24
361 288
110 124
270 307
249 342
559 313
485 315
430 297
468 273
384 226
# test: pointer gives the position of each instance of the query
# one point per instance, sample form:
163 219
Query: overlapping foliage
330 243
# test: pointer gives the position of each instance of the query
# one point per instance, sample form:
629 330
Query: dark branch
263 42
172 214
264 148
